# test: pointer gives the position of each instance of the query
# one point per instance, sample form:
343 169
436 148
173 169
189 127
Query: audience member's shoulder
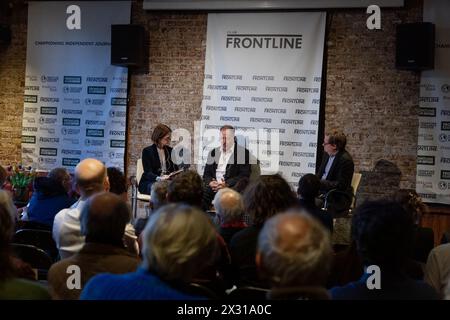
21 289
245 233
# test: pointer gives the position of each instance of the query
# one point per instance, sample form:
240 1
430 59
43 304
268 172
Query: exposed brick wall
375 104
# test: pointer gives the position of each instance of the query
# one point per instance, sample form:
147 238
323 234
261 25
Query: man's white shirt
223 161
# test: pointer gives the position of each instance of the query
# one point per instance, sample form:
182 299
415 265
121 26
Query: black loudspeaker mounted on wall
415 46
127 45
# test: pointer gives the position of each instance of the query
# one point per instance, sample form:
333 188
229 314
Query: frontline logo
426 160
273 152
96 113
29 120
29 129
274 130
48 130
290 164
291 121
122 79
72 141
49 78
217 87
69 152
301 111
271 110
43 120
205 117
308 90
294 78
277 89
312 144
96 79
29 139
216 108
32 88
71 122
261 120
48 140
427 196
94 153
119 122
246 88
315 101
427 125
52 152
263 41
49 161
100 133
118 101
230 98
307 132
231 119
244 109
96 90
206 97
48 99
118 90
69 131
49 110
425 173
428 99
425 185
94 102
28 150
291 100
290 144
445 174
314 122
230 77
67 89
31 78
426 137
117 133
261 99
28 98
117 114
428 87
296 174
116 155
30 109
445 112
95 122
445 126
117 143
93 143
70 162
50 88
72 80
72 111
72 100
427 112
426 148
445 160
304 154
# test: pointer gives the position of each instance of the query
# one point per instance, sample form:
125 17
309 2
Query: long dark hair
6 233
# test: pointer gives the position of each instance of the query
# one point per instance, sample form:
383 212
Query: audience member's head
179 242
229 206
308 187
336 139
158 194
62 177
412 203
3 176
7 222
103 218
294 250
91 177
117 182
241 185
383 232
265 197
187 187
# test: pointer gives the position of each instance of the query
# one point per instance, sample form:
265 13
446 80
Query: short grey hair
294 257
158 194
179 241
229 205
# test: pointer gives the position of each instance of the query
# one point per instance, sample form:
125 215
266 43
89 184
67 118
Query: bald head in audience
91 177
294 250
229 205
103 219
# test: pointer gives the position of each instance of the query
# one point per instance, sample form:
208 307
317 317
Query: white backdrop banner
262 76
433 153
75 101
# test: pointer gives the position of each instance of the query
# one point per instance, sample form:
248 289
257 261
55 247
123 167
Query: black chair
26 224
41 239
37 258
299 293
249 293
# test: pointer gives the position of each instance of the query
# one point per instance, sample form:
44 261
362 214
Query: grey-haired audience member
294 251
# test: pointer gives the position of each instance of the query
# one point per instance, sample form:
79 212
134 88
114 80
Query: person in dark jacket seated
307 191
50 196
179 242
383 233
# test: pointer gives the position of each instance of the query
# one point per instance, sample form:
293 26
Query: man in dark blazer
336 172
226 165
